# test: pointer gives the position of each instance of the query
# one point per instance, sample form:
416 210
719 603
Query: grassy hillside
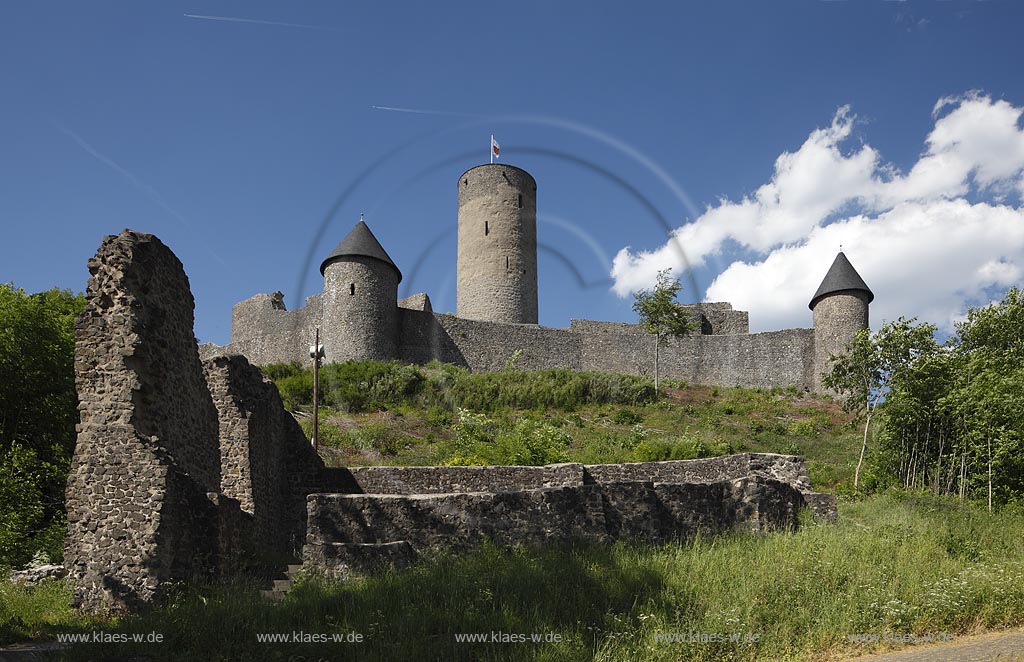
895 563
387 413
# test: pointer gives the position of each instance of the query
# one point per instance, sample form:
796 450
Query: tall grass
360 385
893 564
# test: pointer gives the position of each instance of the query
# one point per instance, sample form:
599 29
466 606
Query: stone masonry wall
497 245
267 464
789 469
266 332
147 451
758 360
596 513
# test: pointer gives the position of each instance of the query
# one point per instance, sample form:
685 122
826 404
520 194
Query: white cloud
919 243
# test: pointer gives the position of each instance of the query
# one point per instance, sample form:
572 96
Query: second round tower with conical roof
840 309
360 316
497 256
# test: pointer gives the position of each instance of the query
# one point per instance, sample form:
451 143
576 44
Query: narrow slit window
506 263
520 200
351 289
487 228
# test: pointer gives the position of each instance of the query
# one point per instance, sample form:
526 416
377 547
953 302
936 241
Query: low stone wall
596 513
432 480
403 511
789 469
440 480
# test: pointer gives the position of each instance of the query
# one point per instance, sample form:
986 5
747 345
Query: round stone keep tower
840 308
360 300
497 259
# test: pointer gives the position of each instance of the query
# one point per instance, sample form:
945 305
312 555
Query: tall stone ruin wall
147 451
181 469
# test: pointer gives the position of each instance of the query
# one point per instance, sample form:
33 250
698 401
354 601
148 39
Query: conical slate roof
360 241
841 277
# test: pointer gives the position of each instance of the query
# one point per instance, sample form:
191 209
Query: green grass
554 416
893 563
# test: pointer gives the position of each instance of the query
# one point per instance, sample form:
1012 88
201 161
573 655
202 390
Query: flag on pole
495 148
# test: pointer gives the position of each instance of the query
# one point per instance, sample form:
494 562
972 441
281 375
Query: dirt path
1007 646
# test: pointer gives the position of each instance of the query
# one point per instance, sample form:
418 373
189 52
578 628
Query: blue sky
773 131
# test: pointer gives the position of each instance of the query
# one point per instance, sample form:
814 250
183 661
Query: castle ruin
360 316
189 469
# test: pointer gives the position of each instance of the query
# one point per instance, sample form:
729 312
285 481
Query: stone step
282 585
293 570
275 596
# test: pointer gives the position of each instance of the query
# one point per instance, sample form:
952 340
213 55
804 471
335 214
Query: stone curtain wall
266 332
758 360
147 451
725 355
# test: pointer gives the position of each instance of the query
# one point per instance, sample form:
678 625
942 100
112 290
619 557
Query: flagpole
490 149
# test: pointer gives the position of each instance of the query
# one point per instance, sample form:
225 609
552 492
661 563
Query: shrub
627 417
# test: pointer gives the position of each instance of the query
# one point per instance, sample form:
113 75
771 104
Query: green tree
38 413
661 315
872 363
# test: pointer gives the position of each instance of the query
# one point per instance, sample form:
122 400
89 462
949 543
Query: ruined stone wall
435 480
267 464
264 331
147 451
789 469
597 513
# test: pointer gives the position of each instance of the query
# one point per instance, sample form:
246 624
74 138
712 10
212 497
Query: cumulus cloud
926 241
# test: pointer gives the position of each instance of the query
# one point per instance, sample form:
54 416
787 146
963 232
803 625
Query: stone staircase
280 585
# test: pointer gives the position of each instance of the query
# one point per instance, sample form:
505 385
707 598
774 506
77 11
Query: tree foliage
661 315
953 414
38 413
873 363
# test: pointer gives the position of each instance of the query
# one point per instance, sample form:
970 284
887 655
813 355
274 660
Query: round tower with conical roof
360 300
497 257
840 309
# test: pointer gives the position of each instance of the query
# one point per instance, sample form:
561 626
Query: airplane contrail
136 183
419 111
235 19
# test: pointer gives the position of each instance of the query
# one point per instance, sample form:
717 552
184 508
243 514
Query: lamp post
316 352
